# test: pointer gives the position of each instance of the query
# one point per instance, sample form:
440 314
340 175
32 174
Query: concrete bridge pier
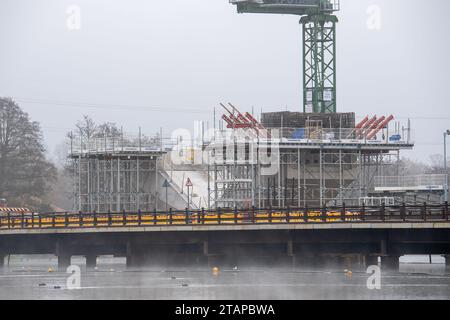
370 260
330 261
447 262
352 262
309 261
64 261
91 261
135 260
291 253
390 263
136 256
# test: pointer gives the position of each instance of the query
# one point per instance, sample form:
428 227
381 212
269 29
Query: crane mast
319 45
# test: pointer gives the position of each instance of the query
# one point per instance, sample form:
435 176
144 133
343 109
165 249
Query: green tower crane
319 45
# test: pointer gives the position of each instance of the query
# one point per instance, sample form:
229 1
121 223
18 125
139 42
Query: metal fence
313 134
118 143
433 181
252 216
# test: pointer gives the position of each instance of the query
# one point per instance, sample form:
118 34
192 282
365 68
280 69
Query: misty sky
167 63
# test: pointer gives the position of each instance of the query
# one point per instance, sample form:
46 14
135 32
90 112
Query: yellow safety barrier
29 221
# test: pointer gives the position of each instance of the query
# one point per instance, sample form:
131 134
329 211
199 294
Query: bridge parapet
403 214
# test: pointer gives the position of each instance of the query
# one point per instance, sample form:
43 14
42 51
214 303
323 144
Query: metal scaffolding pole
111 187
251 158
360 164
118 185
98 185
279 179
341 182
156 185
321 177
298 178
138 182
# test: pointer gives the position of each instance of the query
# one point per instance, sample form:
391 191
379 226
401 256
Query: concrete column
129 255
64 262
135 258
352 262
370 261
205 248
390 263
291 253
447 262
91 261
330 262
290 247
2 260
308 261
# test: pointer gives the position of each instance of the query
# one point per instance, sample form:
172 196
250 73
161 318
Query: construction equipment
236 120
319 45
383 124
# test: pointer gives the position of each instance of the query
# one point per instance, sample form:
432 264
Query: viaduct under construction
313 158
280 186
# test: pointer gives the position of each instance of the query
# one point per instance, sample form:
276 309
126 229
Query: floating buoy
50 270
215 271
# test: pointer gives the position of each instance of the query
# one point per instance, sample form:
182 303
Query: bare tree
108 129
24 169
86 128
437 164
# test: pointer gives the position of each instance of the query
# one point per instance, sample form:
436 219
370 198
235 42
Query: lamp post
446 133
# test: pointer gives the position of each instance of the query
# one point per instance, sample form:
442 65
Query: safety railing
426 182
379 214
118 143
310 135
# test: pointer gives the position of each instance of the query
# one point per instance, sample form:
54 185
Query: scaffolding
417 189
330 161
308 167
113 173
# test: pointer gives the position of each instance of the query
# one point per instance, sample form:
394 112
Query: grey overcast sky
167 63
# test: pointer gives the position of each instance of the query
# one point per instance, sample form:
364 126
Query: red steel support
380 127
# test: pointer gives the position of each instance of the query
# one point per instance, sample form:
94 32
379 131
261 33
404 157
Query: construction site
315 158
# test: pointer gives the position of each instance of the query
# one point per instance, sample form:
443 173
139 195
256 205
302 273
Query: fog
167 63
29 278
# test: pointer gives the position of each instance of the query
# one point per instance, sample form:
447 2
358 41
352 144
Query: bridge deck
226 236
249 227
392 217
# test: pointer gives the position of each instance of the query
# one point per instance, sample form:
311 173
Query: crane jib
323 5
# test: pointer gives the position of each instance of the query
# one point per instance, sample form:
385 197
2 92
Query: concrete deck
230 227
